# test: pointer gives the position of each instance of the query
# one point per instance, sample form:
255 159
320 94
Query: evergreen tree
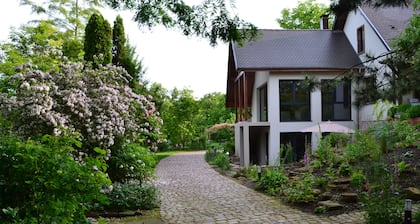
124 55
98 40
119 53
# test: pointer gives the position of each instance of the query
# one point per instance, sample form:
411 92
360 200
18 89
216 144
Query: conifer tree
98 40
123 54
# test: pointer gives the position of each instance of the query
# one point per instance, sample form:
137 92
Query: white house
264 84
371 31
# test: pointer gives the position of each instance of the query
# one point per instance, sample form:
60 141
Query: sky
170 58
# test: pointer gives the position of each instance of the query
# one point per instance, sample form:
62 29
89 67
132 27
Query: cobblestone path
192 192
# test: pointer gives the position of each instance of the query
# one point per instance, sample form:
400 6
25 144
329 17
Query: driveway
192 192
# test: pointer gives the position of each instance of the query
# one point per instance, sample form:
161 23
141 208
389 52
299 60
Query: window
262 111
361 39
299 141
294 101
336 101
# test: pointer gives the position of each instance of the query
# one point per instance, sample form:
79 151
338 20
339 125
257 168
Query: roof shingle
297 49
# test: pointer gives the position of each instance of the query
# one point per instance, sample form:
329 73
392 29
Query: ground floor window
298 142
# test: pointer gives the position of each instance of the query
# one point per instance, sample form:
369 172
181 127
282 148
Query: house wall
261 79
374 46
275 126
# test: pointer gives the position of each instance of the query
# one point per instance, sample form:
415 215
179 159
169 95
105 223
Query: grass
162 155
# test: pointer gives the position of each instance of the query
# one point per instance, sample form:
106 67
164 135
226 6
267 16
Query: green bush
272 181
358 179
42 182
127 196
222 161
363 148
301 191
325 152
383 206
414 111
132 162
210 155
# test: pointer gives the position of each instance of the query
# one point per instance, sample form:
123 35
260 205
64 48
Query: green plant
222 161
417 217
210 155
358 179
402 167
383 206
344 169
286 154
127 196
414 111
42 182
325 152
301 191
363 148
132 162
321 182
272 181
320 209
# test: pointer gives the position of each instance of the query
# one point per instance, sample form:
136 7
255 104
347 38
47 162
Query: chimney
324 22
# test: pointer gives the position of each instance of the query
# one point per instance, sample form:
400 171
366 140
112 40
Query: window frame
294 102
360 33
346 102
262 103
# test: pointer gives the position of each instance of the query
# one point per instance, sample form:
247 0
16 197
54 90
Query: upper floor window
262 104
294 101
361 39
336 101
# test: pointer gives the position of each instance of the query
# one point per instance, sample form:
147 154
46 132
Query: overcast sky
171 58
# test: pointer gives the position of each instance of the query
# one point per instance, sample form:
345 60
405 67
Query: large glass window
298 141
336 101
294 101
262 95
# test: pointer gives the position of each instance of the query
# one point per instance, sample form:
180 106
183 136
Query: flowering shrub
41 182
98 103
133 162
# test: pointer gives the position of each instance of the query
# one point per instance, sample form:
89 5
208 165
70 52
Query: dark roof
389 21
296 49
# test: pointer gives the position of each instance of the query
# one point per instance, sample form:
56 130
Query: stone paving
193 192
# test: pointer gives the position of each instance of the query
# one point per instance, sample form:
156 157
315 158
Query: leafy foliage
128 196
48 181
300 191
98 40
210 19
132 162
382 204
272 181
305 16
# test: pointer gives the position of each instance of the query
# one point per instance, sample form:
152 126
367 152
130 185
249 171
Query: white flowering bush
133 162
98 103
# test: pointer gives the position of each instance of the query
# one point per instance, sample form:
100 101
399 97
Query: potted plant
414 114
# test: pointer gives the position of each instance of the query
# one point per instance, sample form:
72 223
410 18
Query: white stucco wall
273 107
374 46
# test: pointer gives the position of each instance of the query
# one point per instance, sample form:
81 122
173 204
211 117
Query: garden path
192 192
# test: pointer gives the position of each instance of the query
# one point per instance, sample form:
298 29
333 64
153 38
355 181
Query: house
265 84
371 31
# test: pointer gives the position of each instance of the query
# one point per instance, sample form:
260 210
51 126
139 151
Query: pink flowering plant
98 103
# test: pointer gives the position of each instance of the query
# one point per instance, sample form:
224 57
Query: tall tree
124 55
305 16
98 40
119 52
70 18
